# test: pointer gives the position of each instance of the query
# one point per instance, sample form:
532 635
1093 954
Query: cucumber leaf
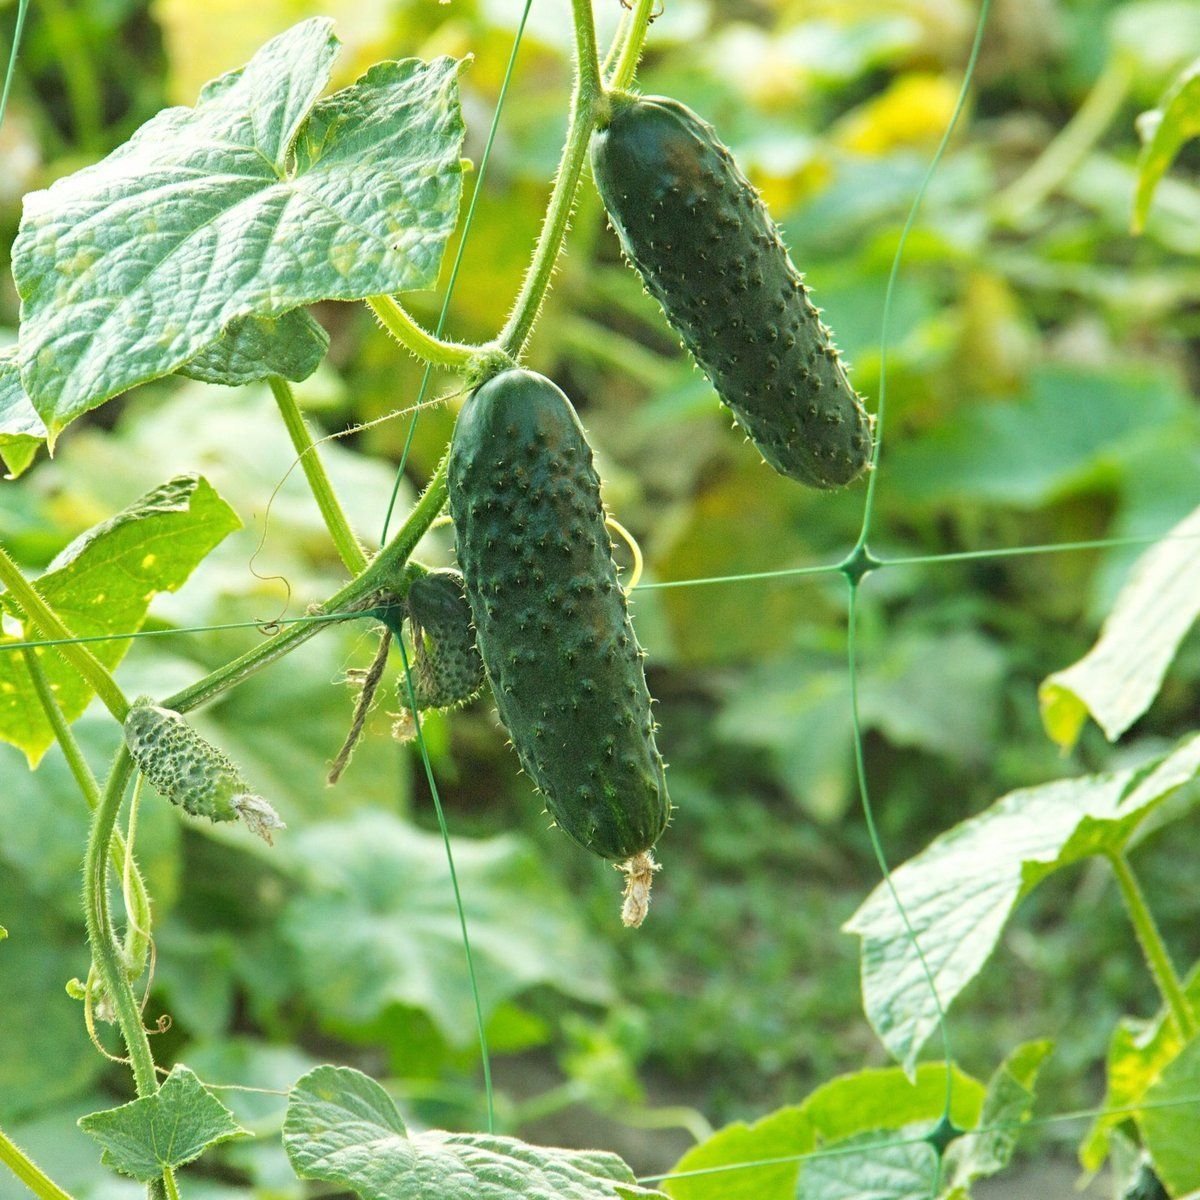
1168 1122
959 892
375 925
343 1128
101 585
258 200
844 1108
253 348
1164 131
1117 679
21 429
883 1168
168 1129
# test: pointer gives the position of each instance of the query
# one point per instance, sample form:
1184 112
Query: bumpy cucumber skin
709 253
551 620
446 668
185 768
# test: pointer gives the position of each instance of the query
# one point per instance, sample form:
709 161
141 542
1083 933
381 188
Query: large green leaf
21 429
843 1108
376 925
102 584
1117 679
256 201
1168 1121
1164 131
343 1128
172 1127
959 891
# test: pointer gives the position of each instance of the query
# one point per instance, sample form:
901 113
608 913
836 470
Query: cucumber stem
423 344
631 51
336 522
28 1172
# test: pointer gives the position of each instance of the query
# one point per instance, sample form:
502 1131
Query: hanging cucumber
191 772
551 621
709 253
446 668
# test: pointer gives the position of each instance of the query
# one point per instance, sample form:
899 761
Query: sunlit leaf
1117 679
21 429
343 1128
873 1166
1168 1121
255 202
1164 131
102 584
959 892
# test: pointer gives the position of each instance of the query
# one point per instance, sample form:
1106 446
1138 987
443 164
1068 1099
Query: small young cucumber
191 772
446 668
550 617
695 229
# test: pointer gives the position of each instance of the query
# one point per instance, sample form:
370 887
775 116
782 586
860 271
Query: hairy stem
46 620
28 1172
631 48
106 951
139 900
397 321
1158 959
314 471
586 104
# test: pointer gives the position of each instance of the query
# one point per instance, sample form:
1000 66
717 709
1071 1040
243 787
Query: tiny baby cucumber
191 772
704 244
551 621
445 667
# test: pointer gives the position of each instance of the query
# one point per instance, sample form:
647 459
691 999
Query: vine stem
1158 959
401 325
139 916
28 1172
347 544
587 103
48 622
631 49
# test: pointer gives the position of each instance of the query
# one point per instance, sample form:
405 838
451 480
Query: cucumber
551 621
191 772
446 668
704 244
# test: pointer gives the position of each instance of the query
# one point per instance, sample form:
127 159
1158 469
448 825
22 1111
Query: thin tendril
22 10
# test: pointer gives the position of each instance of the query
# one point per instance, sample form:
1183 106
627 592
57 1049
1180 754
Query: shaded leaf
1117 679
841 1109
21 429
256 201
343 1128
959 892
168 1129
1164 131
879 1168
1168 1121
377 926
252 348
101 584
1006 1107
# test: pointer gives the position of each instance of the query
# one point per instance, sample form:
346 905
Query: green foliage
21 429
171 1128
294 171
102 584
344 1128
253 348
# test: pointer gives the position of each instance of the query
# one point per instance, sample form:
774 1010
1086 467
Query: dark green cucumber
446 668
188 770
551 620
709 253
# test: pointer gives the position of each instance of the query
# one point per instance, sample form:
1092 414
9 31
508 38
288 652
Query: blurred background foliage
1041 373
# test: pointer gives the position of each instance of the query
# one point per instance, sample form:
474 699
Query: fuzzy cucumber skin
446 668
181 765
709 253
551 620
